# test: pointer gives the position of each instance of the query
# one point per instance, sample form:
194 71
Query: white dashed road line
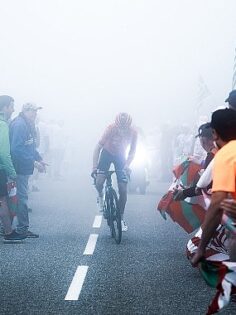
76 284
97 221
90 247
80 274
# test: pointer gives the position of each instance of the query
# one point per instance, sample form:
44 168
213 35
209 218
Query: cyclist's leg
122 181
122 197
103 166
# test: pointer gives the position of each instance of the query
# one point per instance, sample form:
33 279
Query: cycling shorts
105 161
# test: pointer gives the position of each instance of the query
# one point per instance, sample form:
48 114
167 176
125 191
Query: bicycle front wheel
115 217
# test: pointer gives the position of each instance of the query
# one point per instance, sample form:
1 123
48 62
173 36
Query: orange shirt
116 141
224 169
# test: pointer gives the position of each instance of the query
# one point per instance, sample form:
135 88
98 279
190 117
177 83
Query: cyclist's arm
132 150
99 146
96 154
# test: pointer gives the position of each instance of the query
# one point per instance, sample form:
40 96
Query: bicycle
111 210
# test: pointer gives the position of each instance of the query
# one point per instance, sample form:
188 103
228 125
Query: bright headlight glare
141 156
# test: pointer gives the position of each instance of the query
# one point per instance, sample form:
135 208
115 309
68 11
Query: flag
187 172
216 249
188 215
222 276
12 197
229 224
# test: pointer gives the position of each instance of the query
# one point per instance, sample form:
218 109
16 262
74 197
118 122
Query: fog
84 61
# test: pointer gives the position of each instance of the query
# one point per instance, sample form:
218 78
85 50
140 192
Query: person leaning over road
229 204
112 148
223 123
25 158
7 171
207 143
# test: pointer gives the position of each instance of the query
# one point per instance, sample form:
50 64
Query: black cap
224 122
205 130
231 99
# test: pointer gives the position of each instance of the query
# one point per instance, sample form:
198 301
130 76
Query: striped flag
12 197
216 249
229 224
188 215
222 276
234 73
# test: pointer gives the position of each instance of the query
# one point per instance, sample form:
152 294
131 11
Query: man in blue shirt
25 157
7 171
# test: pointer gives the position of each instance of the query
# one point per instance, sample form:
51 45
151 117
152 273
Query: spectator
7 171
207 143
25 157
223 123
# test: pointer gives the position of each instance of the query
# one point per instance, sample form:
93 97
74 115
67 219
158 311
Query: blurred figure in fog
57 147
183 144
34 178
140 166
198 152
166 151
44 143
112 149
25 158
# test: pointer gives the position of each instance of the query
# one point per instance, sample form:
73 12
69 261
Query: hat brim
36 108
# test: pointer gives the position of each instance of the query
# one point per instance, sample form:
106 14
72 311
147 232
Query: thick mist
84 61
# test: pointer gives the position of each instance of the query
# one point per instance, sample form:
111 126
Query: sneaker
30 234
100 203
14 236
124 226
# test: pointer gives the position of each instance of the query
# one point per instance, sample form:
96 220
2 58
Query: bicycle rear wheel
115 217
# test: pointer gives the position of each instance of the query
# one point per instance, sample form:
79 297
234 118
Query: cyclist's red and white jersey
116 141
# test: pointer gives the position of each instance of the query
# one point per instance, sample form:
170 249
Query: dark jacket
23 145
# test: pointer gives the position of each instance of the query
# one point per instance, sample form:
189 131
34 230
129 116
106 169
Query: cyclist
112 148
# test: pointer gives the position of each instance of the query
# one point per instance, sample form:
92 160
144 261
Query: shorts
105 161
3 184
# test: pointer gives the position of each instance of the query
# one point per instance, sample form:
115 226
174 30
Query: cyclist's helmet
123 120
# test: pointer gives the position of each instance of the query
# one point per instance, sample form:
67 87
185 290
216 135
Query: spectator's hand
229 206
40 166
194 159
197 258
178 194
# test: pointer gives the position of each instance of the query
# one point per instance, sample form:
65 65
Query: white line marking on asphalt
76 284
97 221
90 247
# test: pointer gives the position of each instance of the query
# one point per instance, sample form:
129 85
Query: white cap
30 106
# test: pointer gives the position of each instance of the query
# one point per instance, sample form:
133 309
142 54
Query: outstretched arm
210 224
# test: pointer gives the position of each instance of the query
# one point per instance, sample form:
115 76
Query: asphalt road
147 273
